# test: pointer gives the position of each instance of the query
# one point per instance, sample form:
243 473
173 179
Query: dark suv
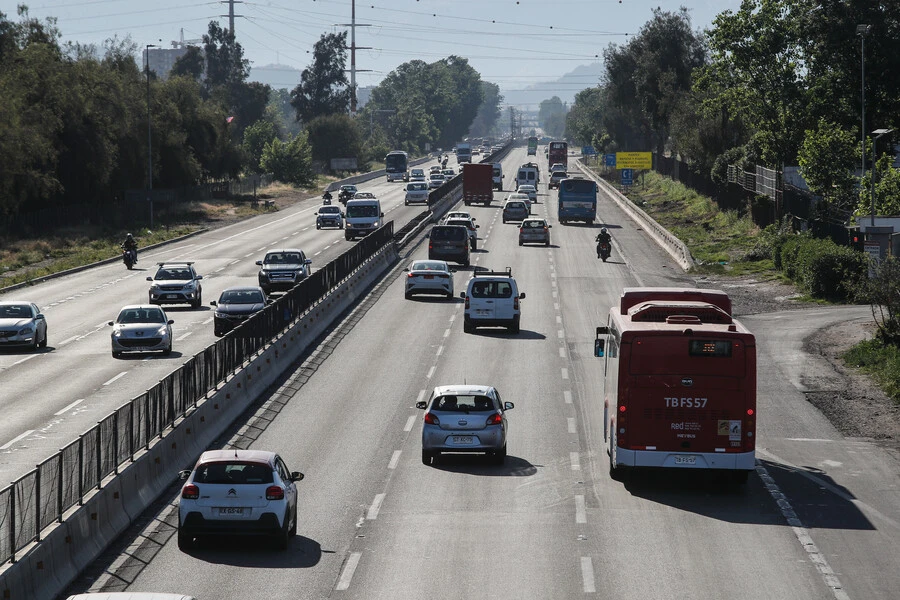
283 269
449 242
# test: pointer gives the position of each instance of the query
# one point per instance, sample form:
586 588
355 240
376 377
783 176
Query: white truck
498 177
463 152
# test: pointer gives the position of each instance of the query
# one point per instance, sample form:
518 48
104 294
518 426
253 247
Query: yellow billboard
634 160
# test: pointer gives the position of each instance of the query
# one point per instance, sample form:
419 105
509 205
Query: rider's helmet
603 230
128 236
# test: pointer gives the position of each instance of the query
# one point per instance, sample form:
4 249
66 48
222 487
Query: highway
819 520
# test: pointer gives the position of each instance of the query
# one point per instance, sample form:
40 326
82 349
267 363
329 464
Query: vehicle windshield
140 315
416 187
241 297
329 210
348 188
437 177
232 473
364 196
463 404
282 258
15 311
173 274
559 175
429 265
367 210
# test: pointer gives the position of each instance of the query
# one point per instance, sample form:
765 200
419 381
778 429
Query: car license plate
171 295
685 460
462 439
231 510
429 276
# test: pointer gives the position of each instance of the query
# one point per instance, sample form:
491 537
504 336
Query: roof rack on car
506 273
175 262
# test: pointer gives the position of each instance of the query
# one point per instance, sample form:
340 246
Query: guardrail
39 498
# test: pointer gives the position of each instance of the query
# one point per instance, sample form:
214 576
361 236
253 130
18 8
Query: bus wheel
619 474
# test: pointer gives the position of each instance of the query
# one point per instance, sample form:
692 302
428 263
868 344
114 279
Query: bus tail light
750 430
621 422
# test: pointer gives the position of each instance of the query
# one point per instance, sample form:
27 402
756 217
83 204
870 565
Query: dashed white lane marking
560 334
317 253
372 514
575 461
562 352
559 319
440 350
69 407
347 574
430 372
567 396
571 421
119 376
452 317
68 340
554 293
447 332
16 439
287 237
208 321
409 423
587 575
306 228
248 255
580 514
234 262
395 458
556 306
219 269
420 396
565 373
21 360
185 336
261 248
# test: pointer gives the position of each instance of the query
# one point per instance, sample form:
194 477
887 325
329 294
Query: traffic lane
843 490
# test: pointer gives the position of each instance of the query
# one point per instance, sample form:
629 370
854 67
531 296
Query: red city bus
558 152
680 383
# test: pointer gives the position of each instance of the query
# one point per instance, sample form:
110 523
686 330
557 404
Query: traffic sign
610 160
588 151
634 160
627 176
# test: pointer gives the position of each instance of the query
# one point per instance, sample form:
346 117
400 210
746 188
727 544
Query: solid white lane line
580 514
440 350
447 332
587 575
562 352
575 460
567 396
188 334
21 360
347 574
409 423
68 340
395 457
565 373
571 421
430 372
16 439
69 407
120 375
375 507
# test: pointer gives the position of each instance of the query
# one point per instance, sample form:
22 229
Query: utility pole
353 48
231 14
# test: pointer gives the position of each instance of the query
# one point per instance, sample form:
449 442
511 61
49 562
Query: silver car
141 328
22 324
428 277
534 231
464 418
416 191
176 283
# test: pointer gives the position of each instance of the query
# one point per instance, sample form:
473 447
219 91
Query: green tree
824 157
488 116
335 136
323 87
225 62
551 116
256 136
191 64
887 189
290 161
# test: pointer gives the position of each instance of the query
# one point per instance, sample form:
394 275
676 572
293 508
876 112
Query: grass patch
880 360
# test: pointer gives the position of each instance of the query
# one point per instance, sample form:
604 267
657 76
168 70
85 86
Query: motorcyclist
603 238
130 245
327 197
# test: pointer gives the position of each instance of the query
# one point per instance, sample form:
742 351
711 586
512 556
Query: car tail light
467 301
494 419
274 492
431 419
190 492
521 229
410 275
516 303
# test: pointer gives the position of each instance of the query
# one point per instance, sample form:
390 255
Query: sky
513 43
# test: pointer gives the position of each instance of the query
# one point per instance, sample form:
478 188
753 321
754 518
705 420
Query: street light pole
149 139
862 30
877 133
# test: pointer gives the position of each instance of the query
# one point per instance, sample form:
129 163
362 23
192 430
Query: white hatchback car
529 190
238 492
492 299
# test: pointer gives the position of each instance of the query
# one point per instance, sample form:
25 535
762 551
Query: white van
491 300
528 174
362 217
498 177
416 191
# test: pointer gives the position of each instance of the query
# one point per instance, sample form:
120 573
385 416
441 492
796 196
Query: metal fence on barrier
41 496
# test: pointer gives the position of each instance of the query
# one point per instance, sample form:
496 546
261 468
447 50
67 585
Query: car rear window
491 289
443 234
463 403
230 473
515 205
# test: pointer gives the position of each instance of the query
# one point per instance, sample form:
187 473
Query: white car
416 191
492 299
141 328
448 174
22 324
434 169
417 175
428 277
238 492
529 190
458 214
435 181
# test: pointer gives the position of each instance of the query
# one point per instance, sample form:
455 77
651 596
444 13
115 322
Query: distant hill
528 98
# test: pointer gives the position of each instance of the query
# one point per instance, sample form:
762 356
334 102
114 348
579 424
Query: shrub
822 268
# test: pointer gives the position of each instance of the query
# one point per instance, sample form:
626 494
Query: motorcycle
326 198
603 250
129 257
344 196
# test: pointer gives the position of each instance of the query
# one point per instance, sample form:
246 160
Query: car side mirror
549 226
110 323
149 279
421 404
599 343
508 406
39 316
478 227
462 294
382 215
199 277
170 322
213 303
259 262
308 261
184 474
522 296
297 476
406 269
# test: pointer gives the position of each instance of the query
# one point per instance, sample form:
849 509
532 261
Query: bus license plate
685 460
462 439
231 510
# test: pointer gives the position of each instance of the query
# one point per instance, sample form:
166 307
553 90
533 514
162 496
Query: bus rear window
579 186
720 348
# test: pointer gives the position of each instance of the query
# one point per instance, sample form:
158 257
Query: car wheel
185 542
468 327
500 456
116 354
450 294
466 262
407 295
293 531
406 203
427 457
318 226
196 303
43 343
521 243
504 221
168 350
547 243
282 538
515 325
